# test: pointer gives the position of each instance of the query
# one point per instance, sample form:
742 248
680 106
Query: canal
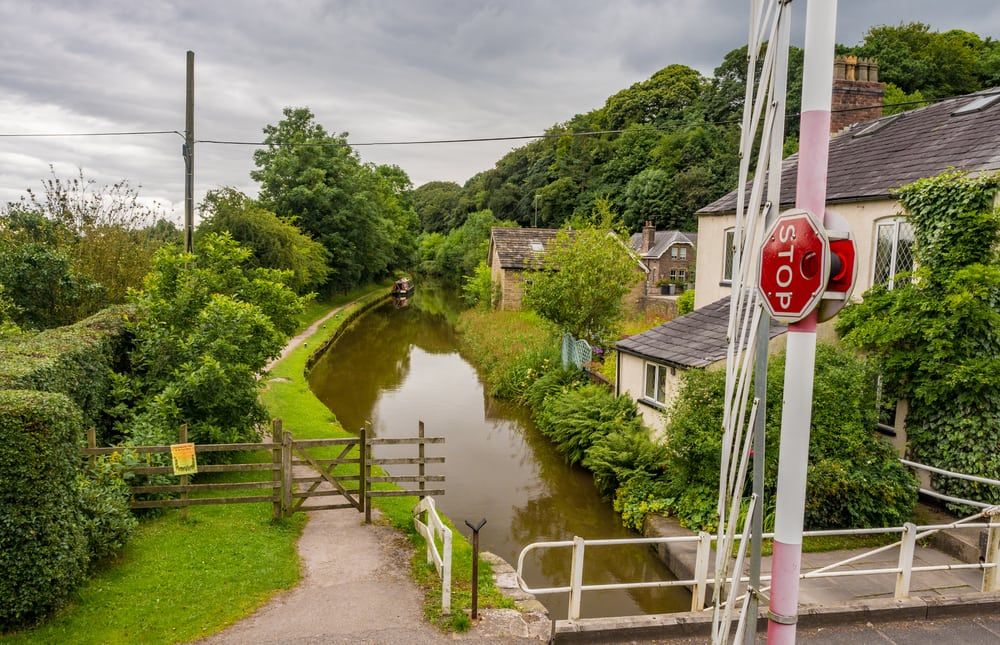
398 366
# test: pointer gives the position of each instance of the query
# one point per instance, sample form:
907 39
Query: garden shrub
106 518
640 496
43 546
77 360
577 418
854 477
549 384
685 303
479 289
622 455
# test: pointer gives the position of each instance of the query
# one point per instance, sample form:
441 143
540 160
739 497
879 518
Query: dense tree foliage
674 140
358 212
275 243
205 327
455 255
83 246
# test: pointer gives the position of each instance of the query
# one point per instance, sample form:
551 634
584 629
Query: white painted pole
796 416
576 579
905 564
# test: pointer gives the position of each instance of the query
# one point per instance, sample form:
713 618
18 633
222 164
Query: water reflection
399 366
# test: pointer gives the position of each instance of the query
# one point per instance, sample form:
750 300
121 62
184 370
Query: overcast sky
378 70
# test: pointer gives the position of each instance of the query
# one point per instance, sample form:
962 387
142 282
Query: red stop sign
794 265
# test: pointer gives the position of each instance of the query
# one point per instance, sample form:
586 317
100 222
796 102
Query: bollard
475 565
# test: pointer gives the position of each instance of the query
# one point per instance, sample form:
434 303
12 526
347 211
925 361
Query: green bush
685 303
43 548
105 516
854 477
577 418
512 348
77 360
640 496
479 289
552 382
622 455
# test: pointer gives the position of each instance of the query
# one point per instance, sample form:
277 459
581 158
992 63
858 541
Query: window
684 252
728 252
537 247
656 382
893 251
673 252
673 274
682 274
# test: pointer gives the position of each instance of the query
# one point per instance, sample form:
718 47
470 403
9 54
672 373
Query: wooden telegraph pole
189 157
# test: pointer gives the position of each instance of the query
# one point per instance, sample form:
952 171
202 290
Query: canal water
399 366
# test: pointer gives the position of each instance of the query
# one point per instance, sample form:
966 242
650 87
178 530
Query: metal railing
903 571
433 529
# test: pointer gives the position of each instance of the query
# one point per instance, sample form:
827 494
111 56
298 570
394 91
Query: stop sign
794 265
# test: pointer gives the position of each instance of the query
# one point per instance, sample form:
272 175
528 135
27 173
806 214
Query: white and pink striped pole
814 143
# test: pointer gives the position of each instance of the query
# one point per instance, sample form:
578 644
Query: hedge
76 360
43 546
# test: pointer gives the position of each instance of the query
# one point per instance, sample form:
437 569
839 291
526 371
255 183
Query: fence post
362 478
446 571
92 443
420 456
276 472
905 565
576 579
286 473
991 577
183 436
366 473
701 571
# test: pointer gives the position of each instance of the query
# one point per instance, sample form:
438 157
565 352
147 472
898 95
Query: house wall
660 268
861 216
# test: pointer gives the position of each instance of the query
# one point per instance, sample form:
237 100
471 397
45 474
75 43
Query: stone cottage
669 256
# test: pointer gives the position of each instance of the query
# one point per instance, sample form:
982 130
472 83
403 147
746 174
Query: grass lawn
306 417
178 580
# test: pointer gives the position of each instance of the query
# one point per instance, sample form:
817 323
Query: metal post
421 470
817 87
189 157
991 577
184 479
778 96
905 565
576 579
702 558
475 564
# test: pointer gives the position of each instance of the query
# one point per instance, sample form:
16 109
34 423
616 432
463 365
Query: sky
380 71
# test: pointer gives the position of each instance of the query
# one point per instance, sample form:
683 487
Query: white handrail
948 473
431 529
902 571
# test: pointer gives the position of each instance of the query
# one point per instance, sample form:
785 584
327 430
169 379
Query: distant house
668 255
867 161
651 364
513 251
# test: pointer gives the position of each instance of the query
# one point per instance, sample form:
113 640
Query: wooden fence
296 473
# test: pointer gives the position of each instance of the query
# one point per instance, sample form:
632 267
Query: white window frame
684 252
673 274
728 253
894 222
659 382
681 275
673 252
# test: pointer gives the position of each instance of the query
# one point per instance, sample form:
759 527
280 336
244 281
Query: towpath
356 586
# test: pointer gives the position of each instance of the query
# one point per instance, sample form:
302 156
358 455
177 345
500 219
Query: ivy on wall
937 335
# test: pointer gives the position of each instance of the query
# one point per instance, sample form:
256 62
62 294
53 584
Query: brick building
668 255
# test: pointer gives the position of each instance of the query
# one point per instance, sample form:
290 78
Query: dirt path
295 341
356 586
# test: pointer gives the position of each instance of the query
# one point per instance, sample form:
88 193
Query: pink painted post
817 83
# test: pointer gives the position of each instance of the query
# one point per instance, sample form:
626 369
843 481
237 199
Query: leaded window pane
650 381
661 385
883 253
727 268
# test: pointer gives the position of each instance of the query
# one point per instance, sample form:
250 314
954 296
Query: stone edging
342 328
533 613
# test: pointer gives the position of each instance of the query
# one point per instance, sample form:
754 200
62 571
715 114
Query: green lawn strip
321 305
306 417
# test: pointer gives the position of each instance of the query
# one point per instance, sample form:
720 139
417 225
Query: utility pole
796 416
778 96
188 152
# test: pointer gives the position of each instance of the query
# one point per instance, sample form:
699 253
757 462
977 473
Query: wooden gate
344 468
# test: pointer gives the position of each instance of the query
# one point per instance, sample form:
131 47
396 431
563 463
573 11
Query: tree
438 204
274 243
315 178
205 327
660 100
582 279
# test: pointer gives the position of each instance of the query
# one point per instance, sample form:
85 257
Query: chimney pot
857 94
648 236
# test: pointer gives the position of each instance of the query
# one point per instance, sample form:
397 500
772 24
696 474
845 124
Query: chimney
648 237
857 94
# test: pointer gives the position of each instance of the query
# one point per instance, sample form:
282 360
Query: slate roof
513 245
662 240
695 340
867 160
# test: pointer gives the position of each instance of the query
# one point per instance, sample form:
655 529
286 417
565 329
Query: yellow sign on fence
183 456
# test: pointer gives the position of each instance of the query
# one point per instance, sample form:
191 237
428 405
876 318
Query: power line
12 135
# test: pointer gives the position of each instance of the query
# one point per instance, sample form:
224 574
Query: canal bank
403 365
